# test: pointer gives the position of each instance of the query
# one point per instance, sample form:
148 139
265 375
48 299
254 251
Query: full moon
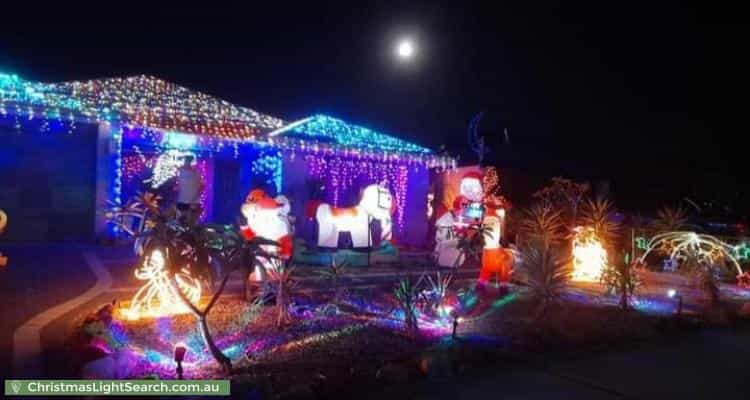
405 49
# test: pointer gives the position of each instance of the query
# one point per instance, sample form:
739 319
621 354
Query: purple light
345 175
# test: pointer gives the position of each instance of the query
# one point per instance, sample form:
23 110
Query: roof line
285 128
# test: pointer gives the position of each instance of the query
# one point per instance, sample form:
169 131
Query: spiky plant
283 280
333 274
545 273
670 219
543 225
471 242
437 290
598 215
407 295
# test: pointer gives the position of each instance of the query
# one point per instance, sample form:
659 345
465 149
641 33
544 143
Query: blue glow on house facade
138 119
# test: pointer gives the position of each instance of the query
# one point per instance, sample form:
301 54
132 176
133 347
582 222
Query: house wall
47 180
300 189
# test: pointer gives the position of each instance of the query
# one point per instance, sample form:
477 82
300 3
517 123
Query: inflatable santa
466 211
268 218
474 208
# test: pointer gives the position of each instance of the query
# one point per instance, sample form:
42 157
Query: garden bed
362 339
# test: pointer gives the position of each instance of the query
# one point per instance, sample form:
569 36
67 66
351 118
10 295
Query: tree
192 247
597 214
564 195
542 224
232 250
670 219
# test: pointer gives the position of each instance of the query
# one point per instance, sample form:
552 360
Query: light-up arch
681 245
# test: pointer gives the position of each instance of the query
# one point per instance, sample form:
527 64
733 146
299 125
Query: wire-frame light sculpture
706 250
158 297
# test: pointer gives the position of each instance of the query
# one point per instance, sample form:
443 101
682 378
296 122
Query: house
69 149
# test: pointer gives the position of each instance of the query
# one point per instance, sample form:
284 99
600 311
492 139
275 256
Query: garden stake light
179 355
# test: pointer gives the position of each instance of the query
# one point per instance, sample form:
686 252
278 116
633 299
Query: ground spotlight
179 355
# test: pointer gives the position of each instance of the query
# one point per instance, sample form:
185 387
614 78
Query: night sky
647 96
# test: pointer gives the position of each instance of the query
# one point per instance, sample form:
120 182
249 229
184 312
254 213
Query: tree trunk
223 360
220 358
280 305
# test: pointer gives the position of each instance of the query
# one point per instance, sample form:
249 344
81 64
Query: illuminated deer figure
376 202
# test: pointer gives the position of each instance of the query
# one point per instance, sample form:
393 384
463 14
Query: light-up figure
376 202
268 218
157 297
706 250
167 166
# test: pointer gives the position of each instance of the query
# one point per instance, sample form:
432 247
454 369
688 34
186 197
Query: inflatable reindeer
376 203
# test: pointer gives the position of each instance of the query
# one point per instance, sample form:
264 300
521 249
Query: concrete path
27 344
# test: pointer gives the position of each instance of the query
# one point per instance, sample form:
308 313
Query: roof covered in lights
148 102
328 129
139 100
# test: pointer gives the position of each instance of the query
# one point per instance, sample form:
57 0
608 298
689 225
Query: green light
343 133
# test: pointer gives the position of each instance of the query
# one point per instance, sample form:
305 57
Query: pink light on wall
342 175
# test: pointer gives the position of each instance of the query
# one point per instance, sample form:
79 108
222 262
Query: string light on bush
589 255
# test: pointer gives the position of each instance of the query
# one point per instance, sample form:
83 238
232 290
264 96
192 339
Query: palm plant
597 214
407 295
333 273
282 277
471 242
670 219
542 225
545 273
437 290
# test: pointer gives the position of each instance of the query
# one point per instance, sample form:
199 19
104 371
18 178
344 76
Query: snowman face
471 188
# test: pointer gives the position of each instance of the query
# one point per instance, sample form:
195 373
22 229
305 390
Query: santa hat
472 175
259 197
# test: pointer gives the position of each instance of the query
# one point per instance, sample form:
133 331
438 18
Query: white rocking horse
376 202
